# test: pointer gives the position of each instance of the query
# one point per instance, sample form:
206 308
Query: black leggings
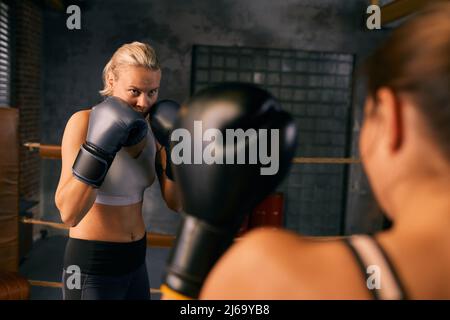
130 286
95 270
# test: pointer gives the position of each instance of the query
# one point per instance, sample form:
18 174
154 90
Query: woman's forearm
170 194
74 200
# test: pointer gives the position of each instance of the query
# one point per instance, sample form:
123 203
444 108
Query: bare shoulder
279 264
79 118
76 127
421 260
74 135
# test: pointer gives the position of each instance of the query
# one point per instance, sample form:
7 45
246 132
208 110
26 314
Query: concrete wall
74 59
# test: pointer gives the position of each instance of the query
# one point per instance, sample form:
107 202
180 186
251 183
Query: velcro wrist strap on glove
91 165
198 247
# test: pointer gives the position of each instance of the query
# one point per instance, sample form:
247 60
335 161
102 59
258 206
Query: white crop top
128 177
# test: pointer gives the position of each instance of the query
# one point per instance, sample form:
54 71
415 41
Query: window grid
316 88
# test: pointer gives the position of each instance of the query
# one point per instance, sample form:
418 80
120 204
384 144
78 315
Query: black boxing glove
216 196
112 124
163 115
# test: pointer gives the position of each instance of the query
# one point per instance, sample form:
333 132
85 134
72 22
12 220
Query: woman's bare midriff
111 223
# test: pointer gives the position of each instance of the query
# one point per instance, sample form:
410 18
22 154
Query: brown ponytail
416 59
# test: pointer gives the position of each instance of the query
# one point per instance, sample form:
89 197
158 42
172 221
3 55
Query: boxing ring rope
153 239
306 160
48 151
156 239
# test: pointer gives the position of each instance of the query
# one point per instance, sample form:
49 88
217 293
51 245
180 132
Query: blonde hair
130 54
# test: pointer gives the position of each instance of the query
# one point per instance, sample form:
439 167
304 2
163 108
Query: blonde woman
108 159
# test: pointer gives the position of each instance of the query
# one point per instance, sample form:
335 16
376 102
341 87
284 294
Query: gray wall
73 62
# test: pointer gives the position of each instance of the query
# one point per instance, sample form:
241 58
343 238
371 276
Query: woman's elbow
68 218
67 215
57 199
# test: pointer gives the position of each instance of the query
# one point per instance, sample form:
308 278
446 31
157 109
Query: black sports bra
382 280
